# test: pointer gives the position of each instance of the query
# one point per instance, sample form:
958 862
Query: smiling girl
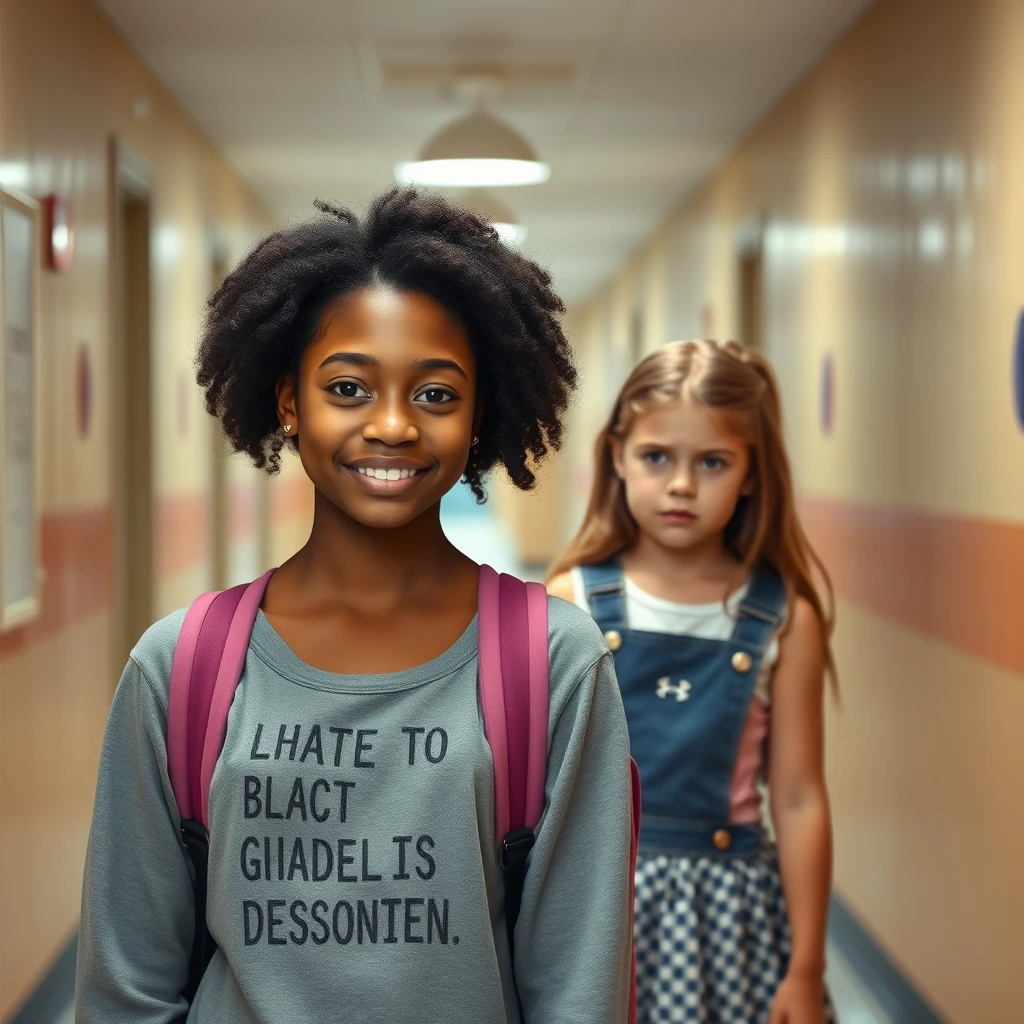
692 560
352 864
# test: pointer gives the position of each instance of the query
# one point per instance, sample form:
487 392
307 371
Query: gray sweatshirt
353 868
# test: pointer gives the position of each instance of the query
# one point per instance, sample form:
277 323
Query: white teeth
386 474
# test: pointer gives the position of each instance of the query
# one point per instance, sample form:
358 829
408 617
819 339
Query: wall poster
20 569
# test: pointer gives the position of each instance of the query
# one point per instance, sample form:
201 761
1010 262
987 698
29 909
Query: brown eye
436 396
349 389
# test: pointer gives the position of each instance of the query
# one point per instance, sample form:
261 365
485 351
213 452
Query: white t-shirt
714 621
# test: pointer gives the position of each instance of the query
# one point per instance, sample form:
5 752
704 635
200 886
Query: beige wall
68 82
891 189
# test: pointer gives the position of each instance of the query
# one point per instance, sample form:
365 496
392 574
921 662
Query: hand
800 1000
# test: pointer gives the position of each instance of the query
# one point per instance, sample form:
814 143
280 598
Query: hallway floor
853 1003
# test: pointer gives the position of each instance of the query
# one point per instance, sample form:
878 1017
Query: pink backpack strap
513 641
514 695
208 661
236 646
513 631
178 701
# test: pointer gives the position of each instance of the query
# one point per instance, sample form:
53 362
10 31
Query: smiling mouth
385 474
387 480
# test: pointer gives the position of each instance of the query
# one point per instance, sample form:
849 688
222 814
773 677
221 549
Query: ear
478 418
287 406
749 485
615 449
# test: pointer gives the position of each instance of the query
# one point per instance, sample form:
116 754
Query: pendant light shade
475 151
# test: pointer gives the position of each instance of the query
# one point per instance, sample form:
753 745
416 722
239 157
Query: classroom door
132 398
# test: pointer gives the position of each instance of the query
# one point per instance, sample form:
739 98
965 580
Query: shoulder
802 621
801 643
575 647
154 653
563 586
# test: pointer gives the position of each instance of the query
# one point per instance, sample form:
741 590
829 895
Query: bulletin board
20 562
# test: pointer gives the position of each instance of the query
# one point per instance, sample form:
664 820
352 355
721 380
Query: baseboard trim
893 992
54 993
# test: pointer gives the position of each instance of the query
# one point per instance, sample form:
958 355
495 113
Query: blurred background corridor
838 183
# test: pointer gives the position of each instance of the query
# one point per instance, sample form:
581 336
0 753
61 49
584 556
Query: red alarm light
59 238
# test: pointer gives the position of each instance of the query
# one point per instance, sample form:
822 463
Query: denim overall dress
712 936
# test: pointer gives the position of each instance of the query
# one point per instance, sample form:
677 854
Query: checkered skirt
712 939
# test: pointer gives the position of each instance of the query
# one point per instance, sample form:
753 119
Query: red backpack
208 662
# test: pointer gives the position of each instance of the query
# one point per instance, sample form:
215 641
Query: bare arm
799 800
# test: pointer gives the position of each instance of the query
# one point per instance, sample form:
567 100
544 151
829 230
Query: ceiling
632 102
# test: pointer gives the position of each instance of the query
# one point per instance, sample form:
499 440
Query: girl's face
386 405
684 468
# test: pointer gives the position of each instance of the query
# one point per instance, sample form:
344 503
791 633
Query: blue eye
712 462
436 396
654 458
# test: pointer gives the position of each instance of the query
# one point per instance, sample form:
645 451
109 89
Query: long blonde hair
765 531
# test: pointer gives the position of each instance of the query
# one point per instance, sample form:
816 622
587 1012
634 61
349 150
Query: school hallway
838 185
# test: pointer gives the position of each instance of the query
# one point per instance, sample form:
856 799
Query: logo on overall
681 691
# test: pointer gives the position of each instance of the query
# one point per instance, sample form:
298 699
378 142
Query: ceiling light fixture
473 152
476 151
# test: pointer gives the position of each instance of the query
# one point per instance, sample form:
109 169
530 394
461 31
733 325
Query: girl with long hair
692 560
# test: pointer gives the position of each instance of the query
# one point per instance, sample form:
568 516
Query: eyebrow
350 359
660 445
361 359
441 364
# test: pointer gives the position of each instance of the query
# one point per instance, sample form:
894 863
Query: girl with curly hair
352 850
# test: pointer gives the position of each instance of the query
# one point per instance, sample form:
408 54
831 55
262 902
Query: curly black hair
269 310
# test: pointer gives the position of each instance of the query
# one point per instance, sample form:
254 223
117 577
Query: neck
708 560
349 561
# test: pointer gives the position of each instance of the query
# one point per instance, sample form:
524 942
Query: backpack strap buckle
197 846
197 839
515 848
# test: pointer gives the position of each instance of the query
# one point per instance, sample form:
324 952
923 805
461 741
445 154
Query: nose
390 422
683 482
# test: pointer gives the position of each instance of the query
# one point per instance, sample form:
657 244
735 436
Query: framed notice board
20 568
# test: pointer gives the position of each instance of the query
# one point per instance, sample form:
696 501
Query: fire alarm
59 241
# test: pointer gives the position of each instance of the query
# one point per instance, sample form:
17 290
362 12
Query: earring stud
287 428
475 441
